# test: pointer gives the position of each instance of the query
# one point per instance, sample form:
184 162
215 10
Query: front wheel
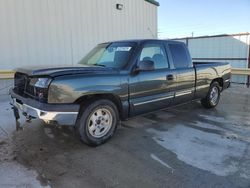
213 96
98 122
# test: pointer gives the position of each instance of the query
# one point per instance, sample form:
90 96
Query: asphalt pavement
185 146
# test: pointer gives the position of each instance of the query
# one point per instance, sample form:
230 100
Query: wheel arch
219 80
92 97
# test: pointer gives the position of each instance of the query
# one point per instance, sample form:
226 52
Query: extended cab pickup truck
116 81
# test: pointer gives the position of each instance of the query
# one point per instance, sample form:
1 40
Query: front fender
68 89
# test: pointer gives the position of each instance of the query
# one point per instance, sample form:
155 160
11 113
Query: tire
213 96
97 122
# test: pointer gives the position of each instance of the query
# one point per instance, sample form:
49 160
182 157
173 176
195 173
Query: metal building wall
53 32
222 48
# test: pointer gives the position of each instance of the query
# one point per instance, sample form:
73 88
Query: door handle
170 77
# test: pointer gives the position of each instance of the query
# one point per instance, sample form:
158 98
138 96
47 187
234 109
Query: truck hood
64 70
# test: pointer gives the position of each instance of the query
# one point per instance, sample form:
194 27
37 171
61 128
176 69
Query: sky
186 18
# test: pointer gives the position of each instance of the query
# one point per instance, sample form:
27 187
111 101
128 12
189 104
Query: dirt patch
6 151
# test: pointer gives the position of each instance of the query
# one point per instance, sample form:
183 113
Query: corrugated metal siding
52 32
225 47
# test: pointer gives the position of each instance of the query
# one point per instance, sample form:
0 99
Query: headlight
40 82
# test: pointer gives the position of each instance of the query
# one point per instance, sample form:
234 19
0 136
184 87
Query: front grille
23 87
29 89
20 82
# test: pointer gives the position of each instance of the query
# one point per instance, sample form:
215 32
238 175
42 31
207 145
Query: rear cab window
179 55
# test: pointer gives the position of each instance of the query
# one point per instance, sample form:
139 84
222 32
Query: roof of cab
143 40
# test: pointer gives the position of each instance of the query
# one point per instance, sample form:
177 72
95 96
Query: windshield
114 55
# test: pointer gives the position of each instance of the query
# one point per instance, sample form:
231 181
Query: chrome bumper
49 113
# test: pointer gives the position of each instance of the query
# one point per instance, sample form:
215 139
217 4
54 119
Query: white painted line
153 156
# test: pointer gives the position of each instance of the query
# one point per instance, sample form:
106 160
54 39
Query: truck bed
207 71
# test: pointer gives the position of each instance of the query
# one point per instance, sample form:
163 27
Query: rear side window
179 55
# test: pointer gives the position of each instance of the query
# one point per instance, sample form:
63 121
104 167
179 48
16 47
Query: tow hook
17 117
28 117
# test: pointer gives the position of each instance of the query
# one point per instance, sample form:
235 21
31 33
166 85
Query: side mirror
146 65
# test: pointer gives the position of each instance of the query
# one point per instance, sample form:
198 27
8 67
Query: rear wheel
98 122
213 96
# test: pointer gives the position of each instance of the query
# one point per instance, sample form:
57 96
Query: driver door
152 90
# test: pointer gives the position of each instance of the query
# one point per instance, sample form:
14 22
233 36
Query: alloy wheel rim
99 122
214 95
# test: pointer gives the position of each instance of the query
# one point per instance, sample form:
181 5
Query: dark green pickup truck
116 81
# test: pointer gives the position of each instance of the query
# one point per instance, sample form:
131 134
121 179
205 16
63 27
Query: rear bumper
62 114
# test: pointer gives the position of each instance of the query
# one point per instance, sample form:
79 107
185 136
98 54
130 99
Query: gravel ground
186 146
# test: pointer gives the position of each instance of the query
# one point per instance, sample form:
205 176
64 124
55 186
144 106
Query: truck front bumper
61 114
